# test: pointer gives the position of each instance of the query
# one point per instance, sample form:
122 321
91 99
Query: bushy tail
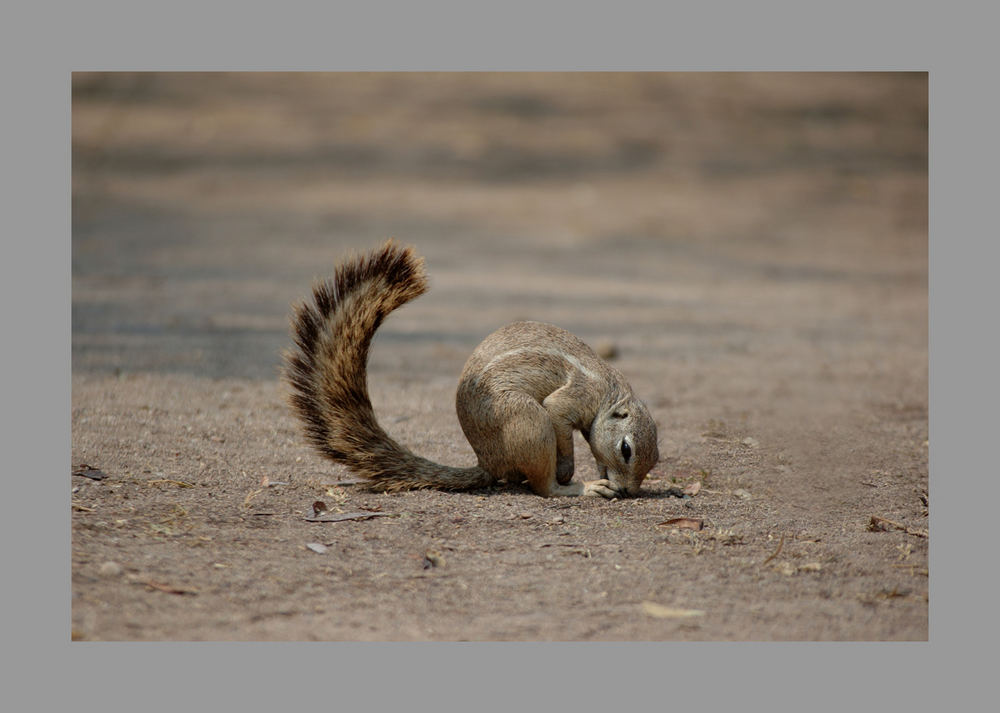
327 370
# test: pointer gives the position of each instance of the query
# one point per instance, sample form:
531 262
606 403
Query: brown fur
523 391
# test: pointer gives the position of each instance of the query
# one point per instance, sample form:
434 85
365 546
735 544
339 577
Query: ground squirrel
522 392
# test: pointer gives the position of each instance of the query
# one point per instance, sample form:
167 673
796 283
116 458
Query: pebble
742 494
110 569
607 349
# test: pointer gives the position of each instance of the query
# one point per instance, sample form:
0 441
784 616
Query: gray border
43 44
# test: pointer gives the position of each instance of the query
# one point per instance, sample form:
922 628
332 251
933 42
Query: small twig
166 587
330 517
914 569
774 554
178 483
573 548
251 495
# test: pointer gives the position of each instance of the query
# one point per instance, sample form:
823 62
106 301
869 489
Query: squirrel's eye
626 450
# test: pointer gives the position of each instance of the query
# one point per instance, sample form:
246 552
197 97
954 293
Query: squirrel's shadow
503 487
523 488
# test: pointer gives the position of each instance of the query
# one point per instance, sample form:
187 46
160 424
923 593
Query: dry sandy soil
754 247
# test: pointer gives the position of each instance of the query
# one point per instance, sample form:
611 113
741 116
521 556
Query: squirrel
522 393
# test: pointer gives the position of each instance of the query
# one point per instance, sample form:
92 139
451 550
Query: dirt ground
753 247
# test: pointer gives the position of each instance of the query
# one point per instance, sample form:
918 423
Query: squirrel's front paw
564 470
603 488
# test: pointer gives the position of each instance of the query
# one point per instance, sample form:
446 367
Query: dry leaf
684 523
692 489
661 612
881 524
433 558
89 471
316 547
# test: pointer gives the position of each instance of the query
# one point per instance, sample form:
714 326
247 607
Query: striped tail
327 370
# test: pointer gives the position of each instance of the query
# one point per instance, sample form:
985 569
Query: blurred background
770 225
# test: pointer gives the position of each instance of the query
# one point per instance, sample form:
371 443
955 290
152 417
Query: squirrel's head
623 441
